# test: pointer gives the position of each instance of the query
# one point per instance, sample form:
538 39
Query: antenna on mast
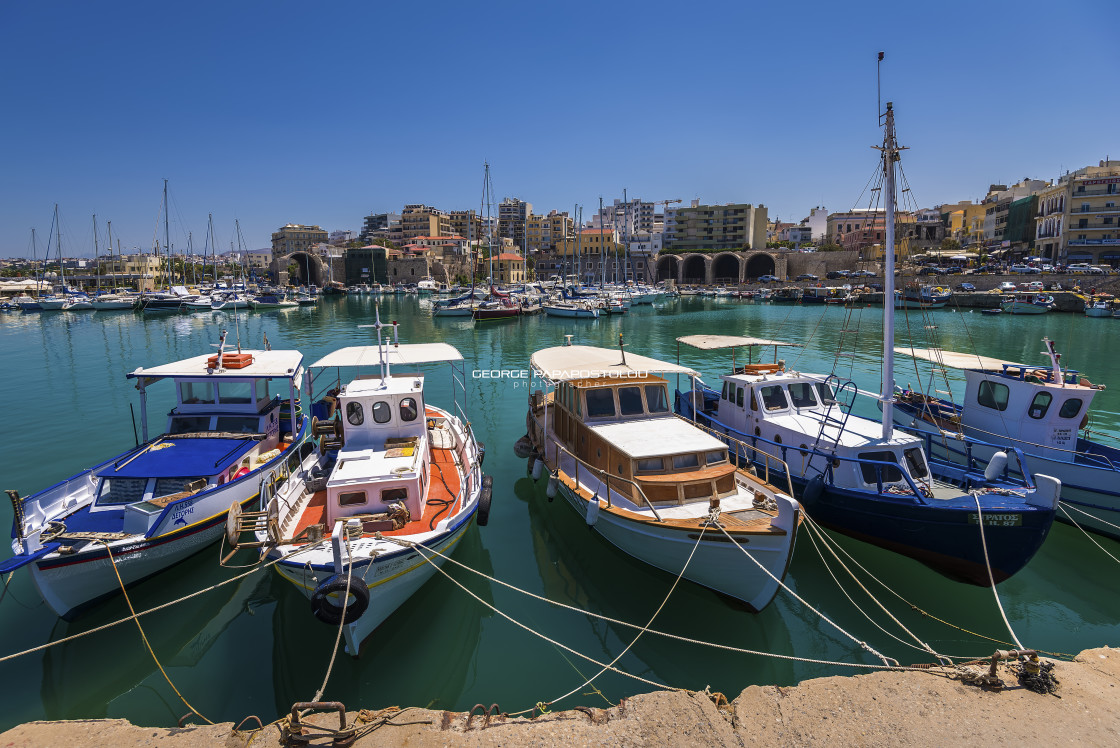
878 87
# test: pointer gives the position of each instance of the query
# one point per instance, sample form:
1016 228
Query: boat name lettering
998 520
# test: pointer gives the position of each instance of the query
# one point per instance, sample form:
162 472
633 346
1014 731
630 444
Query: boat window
1070 408
1040 405
698 490
713 458
650 465
826 393
382 412
196 393
189 424
121 490
238 424
774 398
992 395
600 403
724 395
389 495
262 389
754 400
235 393
168 486
656 400
352 498
890 473
354 414
408 409
801 393
916 462
630 401
680 462
739 396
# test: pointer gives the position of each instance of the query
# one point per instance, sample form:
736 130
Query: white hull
560 311
108 306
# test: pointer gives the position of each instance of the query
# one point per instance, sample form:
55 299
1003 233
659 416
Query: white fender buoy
553 483
538 469
592 511
996 466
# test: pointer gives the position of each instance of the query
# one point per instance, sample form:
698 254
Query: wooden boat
651 483
167 498
391 470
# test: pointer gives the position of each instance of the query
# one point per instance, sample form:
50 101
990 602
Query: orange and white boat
654 484
394 478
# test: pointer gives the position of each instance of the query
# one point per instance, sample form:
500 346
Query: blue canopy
183 458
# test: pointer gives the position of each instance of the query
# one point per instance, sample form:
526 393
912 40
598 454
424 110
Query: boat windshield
121 490
916 463
801 393
873 467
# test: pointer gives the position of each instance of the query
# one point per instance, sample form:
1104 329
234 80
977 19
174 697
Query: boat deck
444 482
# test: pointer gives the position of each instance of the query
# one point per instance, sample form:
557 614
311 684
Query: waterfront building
418 219
817 223
628 218
1076 219
295 237
379 222
713 227
467 223
368 264
543 232
997 205
513 216
341 238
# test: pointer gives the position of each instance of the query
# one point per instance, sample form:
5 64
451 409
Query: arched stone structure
668 268
759 264
695 269
726 267
311 268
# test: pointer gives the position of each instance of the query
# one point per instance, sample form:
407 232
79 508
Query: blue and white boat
1043 410
973 521
228 442
392 471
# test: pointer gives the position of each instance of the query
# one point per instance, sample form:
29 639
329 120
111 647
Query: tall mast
96 258
112 267
58 243
167 234
38 280
190 258
602 247
890 154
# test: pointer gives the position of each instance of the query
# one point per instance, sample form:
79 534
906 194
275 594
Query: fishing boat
108 302
786 295
1043 409
1028 303
394 481
916 295
975 522
652 484
271 301
225 444
572 309
1098 307
77 303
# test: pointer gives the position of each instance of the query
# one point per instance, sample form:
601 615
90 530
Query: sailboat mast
58 243
111 267
602 247
34 257
890 156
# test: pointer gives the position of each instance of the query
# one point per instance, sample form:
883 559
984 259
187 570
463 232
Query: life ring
329 613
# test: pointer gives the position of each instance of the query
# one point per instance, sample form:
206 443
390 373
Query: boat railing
604 476
764 455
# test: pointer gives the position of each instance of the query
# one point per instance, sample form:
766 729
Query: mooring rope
988 564
341 621
1087 514
1082 529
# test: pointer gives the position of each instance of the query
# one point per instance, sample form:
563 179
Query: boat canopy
957 360
567 362
370 355
716 342
266 364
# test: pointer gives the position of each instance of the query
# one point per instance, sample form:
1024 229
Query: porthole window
1070 408
777 438
1039 405
352 498
382 412
354 415
804 449
408 409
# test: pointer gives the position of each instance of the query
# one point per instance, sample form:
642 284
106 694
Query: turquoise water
252 647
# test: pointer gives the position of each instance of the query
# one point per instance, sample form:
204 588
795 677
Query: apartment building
422 220
543 232
513 216
628 218
378 224
295 237
714 227
1076 219
467 223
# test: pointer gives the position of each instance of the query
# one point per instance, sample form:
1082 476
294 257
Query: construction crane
666 203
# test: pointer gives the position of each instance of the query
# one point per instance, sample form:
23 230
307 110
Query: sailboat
975 521
498 305
112 301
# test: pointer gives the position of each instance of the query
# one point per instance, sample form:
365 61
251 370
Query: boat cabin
384 460
625 426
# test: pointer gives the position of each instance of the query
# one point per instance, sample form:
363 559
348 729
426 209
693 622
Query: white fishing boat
574 309
651 483
109 302
226 442
77 303
1098 308
1028 303
395 480
1042 409
271 301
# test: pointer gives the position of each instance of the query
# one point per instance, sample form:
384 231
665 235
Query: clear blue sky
278 112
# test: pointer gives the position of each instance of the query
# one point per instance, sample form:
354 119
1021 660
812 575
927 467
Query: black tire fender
482 516
329 613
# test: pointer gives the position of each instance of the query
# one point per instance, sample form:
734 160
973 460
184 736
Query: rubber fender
813 489
329 613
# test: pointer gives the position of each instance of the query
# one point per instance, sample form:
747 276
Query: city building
863 228
627 218
1077 218
513 216
368 264
341 238
295 237
713 227
422 220
467 223
378 224
543 232
997 203
817 222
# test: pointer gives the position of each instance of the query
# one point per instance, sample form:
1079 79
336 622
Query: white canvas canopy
956 360
275 364
716 342
370 355
568 362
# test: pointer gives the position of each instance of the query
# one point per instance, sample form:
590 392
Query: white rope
212 587
1088 514
341 620
988 564
1082 529
627 624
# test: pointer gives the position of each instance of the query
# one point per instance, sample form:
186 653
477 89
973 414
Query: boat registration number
998 520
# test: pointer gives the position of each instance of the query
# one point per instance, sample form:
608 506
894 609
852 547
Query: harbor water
253 647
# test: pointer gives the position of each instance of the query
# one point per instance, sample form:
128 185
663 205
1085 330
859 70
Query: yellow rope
144 636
